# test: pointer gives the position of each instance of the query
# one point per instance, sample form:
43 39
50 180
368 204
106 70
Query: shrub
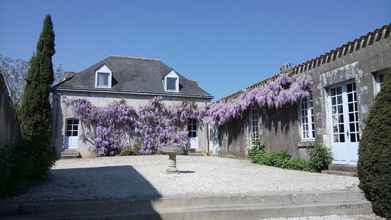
279 159
255 148
299 164
258 155
127 152
374 164
320 158
16 167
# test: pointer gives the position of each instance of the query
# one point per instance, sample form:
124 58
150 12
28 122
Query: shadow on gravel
186 171
116 191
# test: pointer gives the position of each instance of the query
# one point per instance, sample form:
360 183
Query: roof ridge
134 57
347 48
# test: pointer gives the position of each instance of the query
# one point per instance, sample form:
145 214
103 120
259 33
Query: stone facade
355 62
9 128
62 112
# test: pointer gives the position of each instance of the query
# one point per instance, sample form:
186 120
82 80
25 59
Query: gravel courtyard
145 177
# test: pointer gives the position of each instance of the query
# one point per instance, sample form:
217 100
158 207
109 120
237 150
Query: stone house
345 83
135 80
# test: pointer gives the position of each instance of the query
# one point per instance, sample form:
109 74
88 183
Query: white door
344 123
192 128
71 133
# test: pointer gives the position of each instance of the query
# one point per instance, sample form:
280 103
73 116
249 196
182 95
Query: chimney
286 67
68 75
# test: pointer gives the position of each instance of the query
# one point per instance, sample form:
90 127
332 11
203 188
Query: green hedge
374 163
257 154
320 158
17 166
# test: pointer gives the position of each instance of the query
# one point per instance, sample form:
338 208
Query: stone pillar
172 163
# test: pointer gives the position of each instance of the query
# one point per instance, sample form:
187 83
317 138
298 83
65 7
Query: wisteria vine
275 93
118 125
115 126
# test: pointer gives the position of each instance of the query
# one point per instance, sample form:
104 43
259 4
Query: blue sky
224 45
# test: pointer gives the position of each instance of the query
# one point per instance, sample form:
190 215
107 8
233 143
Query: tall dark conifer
35 112
374 163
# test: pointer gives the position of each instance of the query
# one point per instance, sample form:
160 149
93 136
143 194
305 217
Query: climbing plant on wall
275 93
115 126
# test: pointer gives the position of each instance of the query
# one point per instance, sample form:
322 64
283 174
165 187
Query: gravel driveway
145 177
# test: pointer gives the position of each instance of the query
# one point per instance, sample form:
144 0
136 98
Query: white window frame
104 70
378 81
72 129
254 126
192 127
306 119
171 74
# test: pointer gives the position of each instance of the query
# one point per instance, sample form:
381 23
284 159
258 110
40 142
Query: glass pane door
344 116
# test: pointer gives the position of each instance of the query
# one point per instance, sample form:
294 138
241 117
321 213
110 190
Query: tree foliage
15 74
374 165
35 112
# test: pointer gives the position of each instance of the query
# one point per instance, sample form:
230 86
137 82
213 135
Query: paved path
145 177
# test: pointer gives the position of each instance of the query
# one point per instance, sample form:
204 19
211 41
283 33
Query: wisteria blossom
275 93
116 126
108 128
158 126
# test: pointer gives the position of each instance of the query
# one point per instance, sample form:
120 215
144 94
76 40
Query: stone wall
61 111
355 61
9 129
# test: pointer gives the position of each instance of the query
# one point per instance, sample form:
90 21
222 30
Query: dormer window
171 82
103 77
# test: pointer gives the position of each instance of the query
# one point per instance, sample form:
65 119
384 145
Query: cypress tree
35 112
374 164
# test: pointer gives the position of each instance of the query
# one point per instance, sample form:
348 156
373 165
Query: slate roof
132 75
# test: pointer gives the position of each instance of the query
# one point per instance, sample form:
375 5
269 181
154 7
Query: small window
307 125
103 77
254 126
72 127
378 82
102 80
192 128
171 83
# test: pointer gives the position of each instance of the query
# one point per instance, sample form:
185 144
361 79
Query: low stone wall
9 128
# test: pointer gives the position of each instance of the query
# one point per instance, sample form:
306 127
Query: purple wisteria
157 126
280 91
116 126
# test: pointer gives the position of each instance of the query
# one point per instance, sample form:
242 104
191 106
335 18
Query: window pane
103 79
352 128
171 83
350 87
342 137
352 137
340 109
350 97
339 99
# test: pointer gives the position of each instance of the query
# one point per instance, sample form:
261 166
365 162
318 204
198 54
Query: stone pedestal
172 152
172 163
